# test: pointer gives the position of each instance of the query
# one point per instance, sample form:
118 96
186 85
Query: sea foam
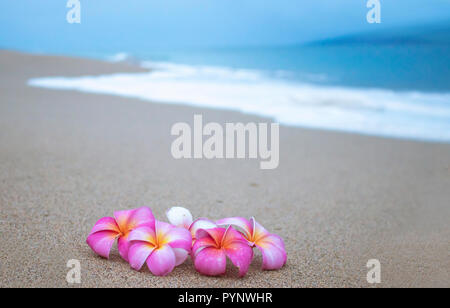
382 112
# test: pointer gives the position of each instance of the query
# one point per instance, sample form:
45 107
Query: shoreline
70 158
386 113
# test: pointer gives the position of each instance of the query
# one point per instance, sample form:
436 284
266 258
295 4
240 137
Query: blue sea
395 86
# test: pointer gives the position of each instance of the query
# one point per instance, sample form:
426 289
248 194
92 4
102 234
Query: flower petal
131 219
180 255
162 229
123 246
143 234
241 254
142 216
180 217
274 256
243 224
237 249
139 253
101 242
216 234
179 238
202 243
231 236
105 224
211 262
162 261
208 238
274 240
201 223
258 230
122 218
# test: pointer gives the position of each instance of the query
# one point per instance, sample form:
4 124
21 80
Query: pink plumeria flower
161 245
271 245
182 218
212 248
108 229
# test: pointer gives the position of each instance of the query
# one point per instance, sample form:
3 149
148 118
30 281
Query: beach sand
69 158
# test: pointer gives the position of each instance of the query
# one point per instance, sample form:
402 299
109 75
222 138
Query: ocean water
391 88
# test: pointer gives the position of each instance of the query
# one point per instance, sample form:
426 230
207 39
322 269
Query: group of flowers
163 246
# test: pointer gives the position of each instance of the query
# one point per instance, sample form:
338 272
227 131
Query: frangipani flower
213 246
161 245
271 245
108 229
182 218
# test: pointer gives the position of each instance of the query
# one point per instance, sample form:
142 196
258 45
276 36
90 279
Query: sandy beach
69 158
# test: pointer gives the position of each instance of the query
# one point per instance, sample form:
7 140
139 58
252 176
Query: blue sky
41 25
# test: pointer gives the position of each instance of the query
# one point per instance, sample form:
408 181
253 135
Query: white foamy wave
382 112
180 71
118 57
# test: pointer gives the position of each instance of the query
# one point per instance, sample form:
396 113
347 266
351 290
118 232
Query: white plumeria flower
182 218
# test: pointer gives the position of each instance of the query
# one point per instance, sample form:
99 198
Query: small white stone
180 217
